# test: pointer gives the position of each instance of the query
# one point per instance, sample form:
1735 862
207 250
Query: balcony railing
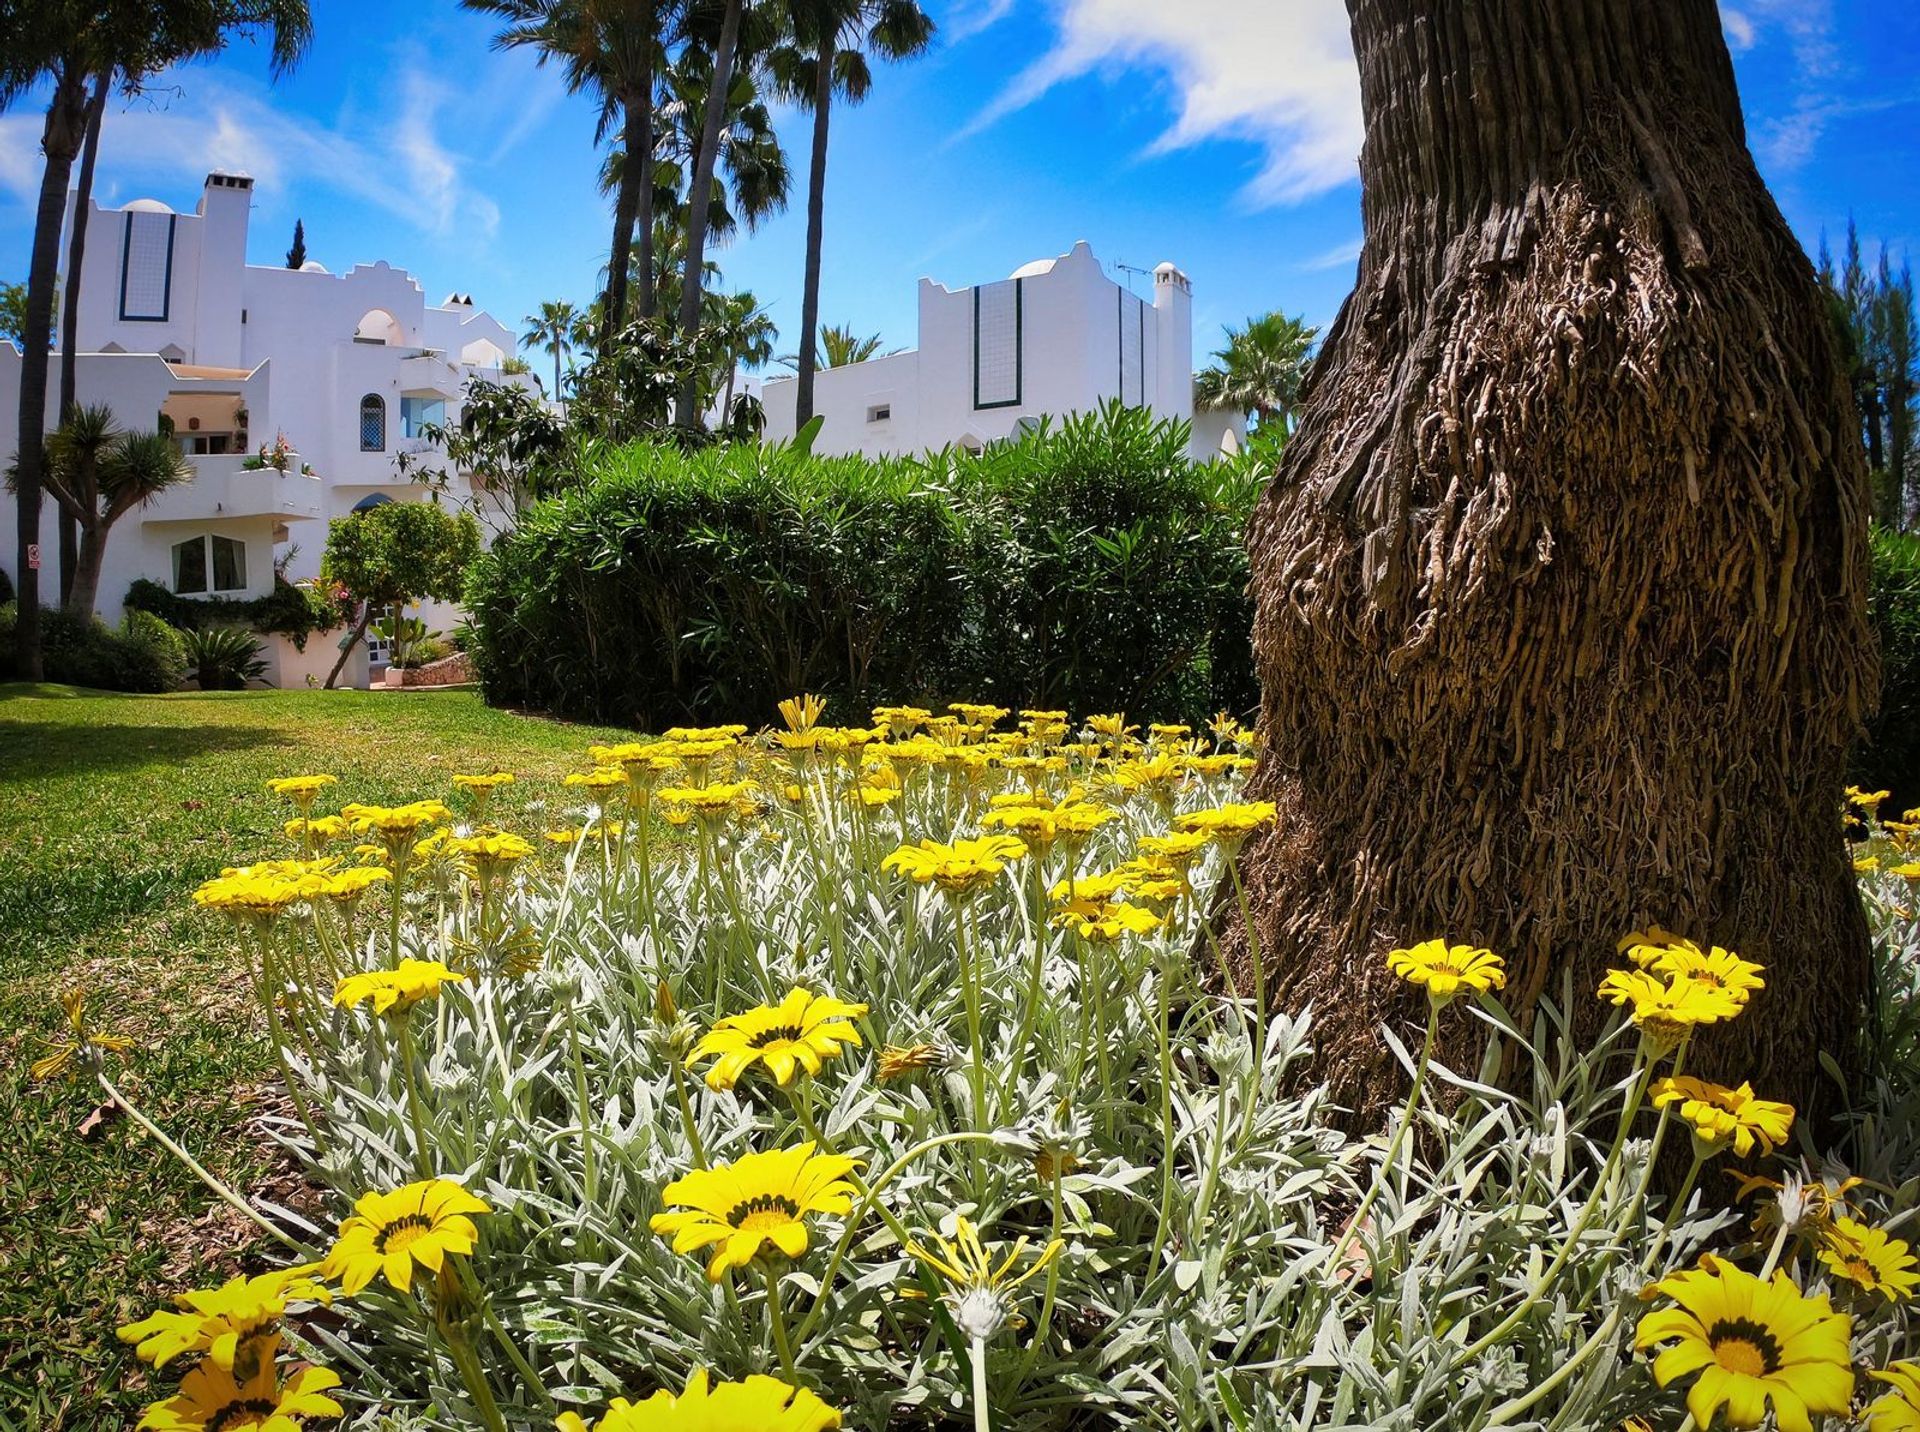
223 486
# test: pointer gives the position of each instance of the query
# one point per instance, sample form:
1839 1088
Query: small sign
33 557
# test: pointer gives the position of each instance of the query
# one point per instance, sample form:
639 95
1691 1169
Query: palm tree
1260 370
839 346
833 36
98 475
614 48
552 330
749 333
64 45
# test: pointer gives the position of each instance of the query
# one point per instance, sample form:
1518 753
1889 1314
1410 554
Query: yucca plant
223 658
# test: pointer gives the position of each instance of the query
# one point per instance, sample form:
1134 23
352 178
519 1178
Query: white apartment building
1056 337
346 368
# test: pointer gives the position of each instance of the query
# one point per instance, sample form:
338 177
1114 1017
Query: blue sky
1219 134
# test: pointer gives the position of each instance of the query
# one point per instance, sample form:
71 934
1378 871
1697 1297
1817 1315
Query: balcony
223 487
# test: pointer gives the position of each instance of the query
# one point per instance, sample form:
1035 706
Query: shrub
1088 565
224 658
144 655
293 610
1889 757
1177 1235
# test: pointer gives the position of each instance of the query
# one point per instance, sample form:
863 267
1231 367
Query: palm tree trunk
649 298
70 308
60 140
84 591
816 213
621 255
700 199
1564 632
556 362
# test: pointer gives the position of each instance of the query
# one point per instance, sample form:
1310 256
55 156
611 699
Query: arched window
373 423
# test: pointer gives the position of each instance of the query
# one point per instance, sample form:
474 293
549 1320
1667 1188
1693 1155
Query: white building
1056 337
346 368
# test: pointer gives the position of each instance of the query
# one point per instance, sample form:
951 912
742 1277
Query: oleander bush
1090 564
890 1077
143 654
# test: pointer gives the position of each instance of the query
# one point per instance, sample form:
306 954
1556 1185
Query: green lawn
112 808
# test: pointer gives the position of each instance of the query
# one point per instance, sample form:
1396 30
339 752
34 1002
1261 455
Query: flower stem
403 1033
777 1320
1393 1145
982 1422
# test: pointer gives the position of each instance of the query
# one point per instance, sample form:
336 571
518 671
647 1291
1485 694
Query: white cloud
1339 257
1739 28
1788 140
1276 73
971 17
396 162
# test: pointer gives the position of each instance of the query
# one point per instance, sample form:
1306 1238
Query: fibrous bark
1561 584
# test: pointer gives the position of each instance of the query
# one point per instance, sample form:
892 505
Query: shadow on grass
51 748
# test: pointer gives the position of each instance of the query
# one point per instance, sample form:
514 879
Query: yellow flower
302 790
900 719
963 868
1229 824
1866 800
759 1404
1178 849
394 991
1751 1342
388 1233
899 1061
317 828
1104 921
1033 824
491 781
1668 1010
402 821
978 713
490 853
1114 727
979 1291
757 1200
87 1043
1719 1115
798 1033
803 712
709 803
1682 959
347 886
1867 1256
599 780
1447 969
1866 864
236 1324
1899 1410
212 1400
256 894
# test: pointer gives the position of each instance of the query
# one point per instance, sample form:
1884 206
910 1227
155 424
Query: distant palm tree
749 333
552 330
1260 370
839 346
831 36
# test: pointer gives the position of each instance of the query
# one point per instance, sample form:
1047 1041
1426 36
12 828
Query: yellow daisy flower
800 1032
491 781
1104 921
1446 969
1229 824
302 790
1720 1116
758 1404
1752 1343
1867 1256
757 1200
86 1043
1668 1010
390 1232
490 853
899 1061
1898 1410
320 828
212 1400
235 1324
963 868
397 990
347 886
1683 959
712 803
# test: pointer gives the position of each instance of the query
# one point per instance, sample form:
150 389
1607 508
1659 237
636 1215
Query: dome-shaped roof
1034 269
313 266
148 206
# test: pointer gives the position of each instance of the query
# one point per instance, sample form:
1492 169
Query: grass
112 808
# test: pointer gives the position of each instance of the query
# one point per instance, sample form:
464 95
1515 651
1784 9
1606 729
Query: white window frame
206 541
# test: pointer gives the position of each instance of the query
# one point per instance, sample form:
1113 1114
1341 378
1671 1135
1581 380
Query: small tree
397 553
98 476
13 312
297 255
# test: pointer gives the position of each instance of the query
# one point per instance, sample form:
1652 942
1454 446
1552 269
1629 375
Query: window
880 412
373 423
209 564
998 320
146 267
416 413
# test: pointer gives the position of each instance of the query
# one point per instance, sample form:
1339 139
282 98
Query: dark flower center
1743 1346
410 1223
256 1409
762 1204
779 1034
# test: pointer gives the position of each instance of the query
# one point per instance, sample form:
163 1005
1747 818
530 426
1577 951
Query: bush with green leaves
1090 564
224 658
142 655
295 610
1069 1178
1889 757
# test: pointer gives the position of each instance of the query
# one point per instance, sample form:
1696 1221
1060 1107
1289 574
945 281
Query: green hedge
1889 757
1090 566
142 655
293 611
